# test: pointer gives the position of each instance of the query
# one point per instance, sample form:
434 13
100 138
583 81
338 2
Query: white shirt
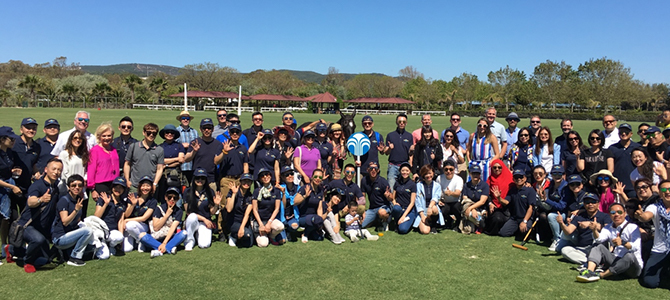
447 154
612 138
499 132
630 234
659 238
62 140
453 184
635 175
71 166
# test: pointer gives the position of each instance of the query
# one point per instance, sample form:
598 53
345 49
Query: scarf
606 199
664 223
265 191
502 181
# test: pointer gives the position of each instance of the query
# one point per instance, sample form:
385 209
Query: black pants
449 209
495 221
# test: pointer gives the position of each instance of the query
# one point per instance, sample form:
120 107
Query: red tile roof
380 100
323 98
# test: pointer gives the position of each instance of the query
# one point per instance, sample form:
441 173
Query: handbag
16 230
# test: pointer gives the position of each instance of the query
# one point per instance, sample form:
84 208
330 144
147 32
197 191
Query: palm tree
101 89
50 92
70 90
158 85
131 81
31 82
4 95
117 94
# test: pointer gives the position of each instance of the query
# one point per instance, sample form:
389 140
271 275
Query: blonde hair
104 127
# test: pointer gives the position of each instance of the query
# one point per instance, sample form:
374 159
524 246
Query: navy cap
246 176
653 129
574 178
120 181
285 169
308 133
513 116
592 197
321 127
475 169
199 172
406 165
518 172
28 121
146 178
263 170
367 118
174 190
557 169
206 121
267 132
234 126
169 128
50 122
625 126
8 132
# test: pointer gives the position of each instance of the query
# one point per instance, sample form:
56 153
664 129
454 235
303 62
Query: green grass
447 265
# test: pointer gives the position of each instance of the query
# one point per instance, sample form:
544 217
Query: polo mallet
525 239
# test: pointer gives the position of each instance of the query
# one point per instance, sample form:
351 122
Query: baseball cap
625 126
8 132
557 169
475 169
308 133
234 126
246 176
321 127
367 118
206 121
120 181
574 178
653 129
267 132
174 190
591 198
199 172
146 178
28 121
50 122
519 172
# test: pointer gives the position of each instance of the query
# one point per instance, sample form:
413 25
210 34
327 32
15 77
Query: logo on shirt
405 140
524 196
241 152
407 190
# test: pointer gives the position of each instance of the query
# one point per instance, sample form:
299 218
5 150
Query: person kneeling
353 220
164 226
266 202
66 233
521 200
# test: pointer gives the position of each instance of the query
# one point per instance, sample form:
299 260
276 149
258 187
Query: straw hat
603 172
184 113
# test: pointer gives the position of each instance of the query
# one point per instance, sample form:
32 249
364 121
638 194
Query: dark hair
530 140
580 145
454 140
424 170
350 165
73 178
53 159
600 135
647 168
192 200
432 141
256 114
150 126
352 203
81 151
317 170
643 180
232 116
540 167
400 115
550 142
643 124
664 181
566 120
126 119
455 114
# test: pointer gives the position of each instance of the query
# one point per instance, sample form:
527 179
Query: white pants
192 225
264 240
115 238
356 233
132 235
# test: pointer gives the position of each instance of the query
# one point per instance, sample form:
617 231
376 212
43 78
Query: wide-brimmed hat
169 128
603 172
184 113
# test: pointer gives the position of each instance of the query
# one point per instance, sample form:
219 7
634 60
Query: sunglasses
367 123
535 122
482 125
455 119
222 115
518 177
207 128
200 178
575 184
524 135
317 177
287 174
185 118
603 178
402 122
172 197
234 121
373 168
126 127
496 168
641 131
288 118
350 172
622 132
608 122
52 127
258 119
594 138
245 182
266 174
616 212
449 136
650 136
573 139
151 133
590 202
449 169
642 187
538 174
234 132
85 120
664 190
78 185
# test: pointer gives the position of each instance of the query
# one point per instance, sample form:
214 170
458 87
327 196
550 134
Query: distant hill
143 70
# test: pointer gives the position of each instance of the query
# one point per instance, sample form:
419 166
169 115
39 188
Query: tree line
593 85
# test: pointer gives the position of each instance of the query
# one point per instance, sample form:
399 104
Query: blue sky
439 38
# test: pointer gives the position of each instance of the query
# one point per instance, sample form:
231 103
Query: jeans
392 174
78 238
553 224
176 239
566 240
651 276
372 214
406 226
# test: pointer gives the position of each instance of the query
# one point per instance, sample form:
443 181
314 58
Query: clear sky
442 39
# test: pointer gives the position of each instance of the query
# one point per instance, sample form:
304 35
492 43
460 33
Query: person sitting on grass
379 192
111 208
578 234
309 200
238 206
201 202
521 201
290 211
428 195
138 214
626 256
334 196
659 259
500 182
266 203
353 221
164 226
475 194
404 198
66 233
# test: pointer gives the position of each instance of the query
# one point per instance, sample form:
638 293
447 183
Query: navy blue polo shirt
266 205
240 205
585 234
325 149
403 191
402 141
172 150
475 192
623 163
376 139
570 161
45 153
310 205
351 193
519 201
251 133
177 212
204 158
141 208
265 158
203 203
375 190
233 162
6 164
122 148
67 204
44 219
113 212
27 158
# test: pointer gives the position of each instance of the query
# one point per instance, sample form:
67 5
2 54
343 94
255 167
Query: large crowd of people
604 207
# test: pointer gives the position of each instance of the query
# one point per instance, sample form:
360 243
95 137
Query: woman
404 197
8 188
75 159
605 184
138 214
546 153
283 144
265 156
336 138
452 150
571 154
659 214
499 182
325 149
555 202
595 158
483 148
541 184
307 158
164 237
310 200
428 195
174 154
427 151
201 202
521 154
238 204
103 164
289 211
647 168
110 208
266 203
66 232
333 197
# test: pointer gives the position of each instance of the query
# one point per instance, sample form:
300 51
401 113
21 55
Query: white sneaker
141 248
373 237
232 241
335 240
354 239
173 250
553 245
189 246
156 253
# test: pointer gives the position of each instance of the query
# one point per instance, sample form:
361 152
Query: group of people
271 185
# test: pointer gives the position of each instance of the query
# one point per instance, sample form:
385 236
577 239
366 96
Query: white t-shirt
659 237
454 184
447 154
612 138
547 160
62 140
635 175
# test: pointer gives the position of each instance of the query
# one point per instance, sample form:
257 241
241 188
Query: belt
232 176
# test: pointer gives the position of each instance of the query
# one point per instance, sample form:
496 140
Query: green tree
100 90
409 73
209 77
605 80
71 91
4 95
51 91
556 82
158 85
506 83
31 82
132 81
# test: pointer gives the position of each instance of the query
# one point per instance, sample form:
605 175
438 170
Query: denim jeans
553 224
78 238
651 275
38 245
566 240
373 214
176 239
392 174
406 226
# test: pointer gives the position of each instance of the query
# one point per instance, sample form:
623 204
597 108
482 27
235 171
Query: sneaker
553 245
232 242
336 241
29 268
588 276
385 226
76 262
173 250
155 253
373 238
141 248
354 239
189 246
304 239
10 258
222 237
599 269
433 230
581 268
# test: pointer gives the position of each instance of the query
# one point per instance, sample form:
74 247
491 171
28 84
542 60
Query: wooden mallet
522 247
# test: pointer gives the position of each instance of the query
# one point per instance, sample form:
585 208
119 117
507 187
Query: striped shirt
187 135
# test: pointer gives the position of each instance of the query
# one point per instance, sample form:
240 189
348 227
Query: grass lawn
446 265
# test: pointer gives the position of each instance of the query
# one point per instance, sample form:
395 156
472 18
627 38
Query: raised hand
391 146
308 190
80 204
105 197
496 191
228 145
388 193
639 212
217 199
195 145
380 148
133 199
169 209
259 135
47 196
233 188
619 188
289 152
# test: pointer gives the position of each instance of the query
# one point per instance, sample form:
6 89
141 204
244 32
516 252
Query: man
144 158
622 152
376 143
425 121
289 120
225 136
235 161
497 129
124 140
223 124
535 125
462 134
81 121
186 136
512 130
206 152
378 191
642 132
656 147
562 140
451 194
520 200
398 143
625 258
351 190
611 132
27 151
665 119
578 233
51 130
251 132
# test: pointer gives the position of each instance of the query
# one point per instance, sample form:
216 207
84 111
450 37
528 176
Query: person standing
250 135
8 188
497 129
416 134
398 143
642 132
622 152
611 132
173 157
81 122
512 130
206 152
103 164
376 143
223 124
462 134
144 158
562 140
186 136
27 152
51 130
535 125
225 136
123 141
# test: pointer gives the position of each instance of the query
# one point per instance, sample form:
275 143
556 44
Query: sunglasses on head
85 120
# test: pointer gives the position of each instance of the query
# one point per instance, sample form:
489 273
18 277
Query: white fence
163 106
228 108
430 112
282 109
373 111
